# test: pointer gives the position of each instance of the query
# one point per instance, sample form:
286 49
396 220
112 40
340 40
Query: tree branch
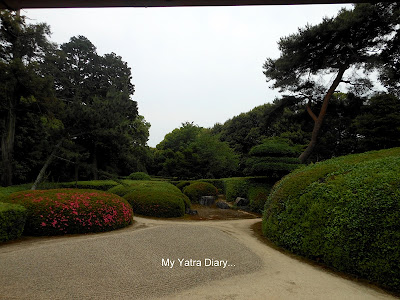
310 112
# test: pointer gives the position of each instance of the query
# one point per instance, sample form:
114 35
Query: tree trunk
94 164
44 168
7 146
318 121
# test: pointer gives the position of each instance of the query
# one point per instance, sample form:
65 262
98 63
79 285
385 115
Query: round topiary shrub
12 221
139 176
181 185
162 201
198 189
344 212
63 211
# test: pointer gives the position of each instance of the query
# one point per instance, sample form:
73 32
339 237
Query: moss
344 212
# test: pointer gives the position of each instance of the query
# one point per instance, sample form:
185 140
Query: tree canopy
353 39
192 152
65 108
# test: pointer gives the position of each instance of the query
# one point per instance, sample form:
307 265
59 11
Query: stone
222 205
207 200
191 212
241 201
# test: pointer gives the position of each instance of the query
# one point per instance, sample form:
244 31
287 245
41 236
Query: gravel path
166 260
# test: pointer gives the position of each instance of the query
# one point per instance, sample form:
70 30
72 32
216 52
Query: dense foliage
12 221
155 199
192 152
64 110
344 212
198 189
62 211
354 39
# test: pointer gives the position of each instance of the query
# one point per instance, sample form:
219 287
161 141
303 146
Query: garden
324 182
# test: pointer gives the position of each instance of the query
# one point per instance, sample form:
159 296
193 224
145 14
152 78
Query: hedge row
102 185
256 189
344 212
12 221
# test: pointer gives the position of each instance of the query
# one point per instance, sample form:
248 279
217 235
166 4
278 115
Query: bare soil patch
215 213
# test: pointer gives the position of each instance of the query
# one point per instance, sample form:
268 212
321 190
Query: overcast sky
196 64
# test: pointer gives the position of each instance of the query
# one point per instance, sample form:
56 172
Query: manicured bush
62 211
256 189
257 196
160 199
275 157
182 184
198 189
236 187
218 183
139 176
12 221
344 212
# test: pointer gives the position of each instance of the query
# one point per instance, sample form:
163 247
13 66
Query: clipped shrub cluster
12 221
236 187
274 157
198 189
257 196
63 211
344 212
182 184
218 183
256 189
139 176
157 199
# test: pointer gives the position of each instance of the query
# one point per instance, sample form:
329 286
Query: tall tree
352 39
22 48
101 117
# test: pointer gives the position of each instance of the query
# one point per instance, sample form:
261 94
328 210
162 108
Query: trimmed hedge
257 196
139 176
157 199
182 184
256 189
12 221
344 212
218 183
102 185
236 187
274 148
198 189
63 211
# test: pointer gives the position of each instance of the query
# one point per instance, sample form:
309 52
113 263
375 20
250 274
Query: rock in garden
222 205
207 200
241 201
191 212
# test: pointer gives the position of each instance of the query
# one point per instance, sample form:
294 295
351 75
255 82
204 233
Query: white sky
196 64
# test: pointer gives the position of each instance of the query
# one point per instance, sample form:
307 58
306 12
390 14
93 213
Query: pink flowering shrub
64 211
